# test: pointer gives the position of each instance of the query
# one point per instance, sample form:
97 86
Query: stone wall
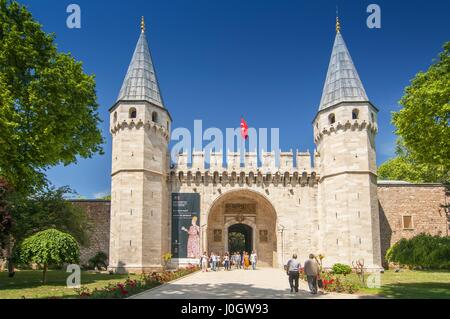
424 202
99 215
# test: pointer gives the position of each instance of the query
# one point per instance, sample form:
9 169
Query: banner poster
186 225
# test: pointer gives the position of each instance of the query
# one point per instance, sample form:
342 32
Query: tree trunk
10 266
9 253
44 275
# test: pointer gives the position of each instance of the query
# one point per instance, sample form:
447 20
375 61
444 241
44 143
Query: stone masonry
423 201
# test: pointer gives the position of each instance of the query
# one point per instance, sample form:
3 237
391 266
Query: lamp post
281 229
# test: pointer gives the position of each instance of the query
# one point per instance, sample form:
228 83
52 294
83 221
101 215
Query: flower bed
335 283
338 283
131 287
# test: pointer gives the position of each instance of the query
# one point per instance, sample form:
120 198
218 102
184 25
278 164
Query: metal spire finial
338 24
143 24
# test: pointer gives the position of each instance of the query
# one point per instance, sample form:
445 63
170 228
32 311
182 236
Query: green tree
48 105
45 209
404 167
423 127
42 210
49 247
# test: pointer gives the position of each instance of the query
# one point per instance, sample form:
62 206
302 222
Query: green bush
99 261
422 251
341 269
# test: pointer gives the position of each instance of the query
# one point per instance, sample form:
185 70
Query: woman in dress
246 261
193 244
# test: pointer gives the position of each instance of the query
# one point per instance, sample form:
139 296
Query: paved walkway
263 283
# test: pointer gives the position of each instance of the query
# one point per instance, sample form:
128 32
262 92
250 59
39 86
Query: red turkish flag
244 129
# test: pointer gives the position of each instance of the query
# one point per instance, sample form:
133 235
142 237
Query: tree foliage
49 247
48 209
423 127
48 105
423 251
28 214
405 168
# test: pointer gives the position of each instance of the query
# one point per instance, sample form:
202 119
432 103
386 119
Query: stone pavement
263 283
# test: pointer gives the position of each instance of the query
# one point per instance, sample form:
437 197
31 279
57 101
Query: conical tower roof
141 82
342 83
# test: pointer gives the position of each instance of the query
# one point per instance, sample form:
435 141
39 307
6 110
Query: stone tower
140 128
344 131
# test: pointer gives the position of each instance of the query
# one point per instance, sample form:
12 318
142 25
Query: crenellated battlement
241 178
265 167
352 125
139 124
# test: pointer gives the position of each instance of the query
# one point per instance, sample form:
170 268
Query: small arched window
355 114
331 118
155 117
133 113
372 116
115 116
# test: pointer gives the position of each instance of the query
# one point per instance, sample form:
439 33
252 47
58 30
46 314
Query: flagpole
242 143
242 148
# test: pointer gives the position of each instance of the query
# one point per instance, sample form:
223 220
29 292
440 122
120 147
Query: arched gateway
243 220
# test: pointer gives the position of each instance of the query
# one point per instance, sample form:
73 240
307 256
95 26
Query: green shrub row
422 251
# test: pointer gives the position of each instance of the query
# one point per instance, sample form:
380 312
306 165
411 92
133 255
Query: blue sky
265 59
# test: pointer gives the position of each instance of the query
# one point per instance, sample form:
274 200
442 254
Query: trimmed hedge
422 251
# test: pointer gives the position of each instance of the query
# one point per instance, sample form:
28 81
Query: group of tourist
227 261
311 269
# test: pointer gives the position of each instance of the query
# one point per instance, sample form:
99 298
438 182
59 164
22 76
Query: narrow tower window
331 118
155 117
372 117
133 113
115 116
355 114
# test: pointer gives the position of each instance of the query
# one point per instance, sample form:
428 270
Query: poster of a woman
193 243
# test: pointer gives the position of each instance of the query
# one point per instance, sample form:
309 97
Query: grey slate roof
141 83
342 83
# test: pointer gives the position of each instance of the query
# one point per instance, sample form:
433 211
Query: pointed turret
342 83
345 130
141 83
140 134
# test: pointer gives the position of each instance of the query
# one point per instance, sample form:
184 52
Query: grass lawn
405 284
27 283
412 284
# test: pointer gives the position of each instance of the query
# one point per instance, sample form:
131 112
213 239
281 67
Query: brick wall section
423 202
99 215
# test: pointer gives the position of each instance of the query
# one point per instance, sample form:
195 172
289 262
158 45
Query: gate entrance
240 238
